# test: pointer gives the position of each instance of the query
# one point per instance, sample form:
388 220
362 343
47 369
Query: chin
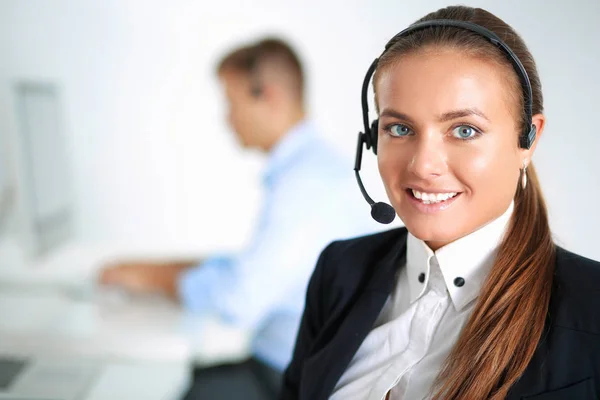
432 235
431 231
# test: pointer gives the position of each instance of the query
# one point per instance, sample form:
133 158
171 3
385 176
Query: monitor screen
45 187
3 194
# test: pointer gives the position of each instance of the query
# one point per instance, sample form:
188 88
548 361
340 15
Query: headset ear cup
373 135
528 138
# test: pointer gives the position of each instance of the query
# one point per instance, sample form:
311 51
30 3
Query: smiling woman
454 132
472 299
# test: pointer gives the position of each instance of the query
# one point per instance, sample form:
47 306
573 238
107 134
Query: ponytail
502 334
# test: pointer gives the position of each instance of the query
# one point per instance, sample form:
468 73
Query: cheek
474 169
490 174
241 119
249 114
391 162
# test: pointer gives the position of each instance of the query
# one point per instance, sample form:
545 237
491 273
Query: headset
383 212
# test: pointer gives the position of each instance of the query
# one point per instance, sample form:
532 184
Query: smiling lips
432 198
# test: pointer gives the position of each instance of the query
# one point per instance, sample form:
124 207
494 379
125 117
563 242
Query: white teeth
429 198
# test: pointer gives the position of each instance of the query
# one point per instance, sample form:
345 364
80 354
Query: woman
472 300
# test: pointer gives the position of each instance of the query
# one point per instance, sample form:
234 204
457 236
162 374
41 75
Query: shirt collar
469 259
286 149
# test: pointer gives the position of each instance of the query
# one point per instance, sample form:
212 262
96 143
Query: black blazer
353 279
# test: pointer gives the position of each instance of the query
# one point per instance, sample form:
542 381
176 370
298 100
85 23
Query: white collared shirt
423 317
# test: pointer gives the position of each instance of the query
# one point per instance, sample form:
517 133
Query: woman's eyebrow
447 116
465 112
388 112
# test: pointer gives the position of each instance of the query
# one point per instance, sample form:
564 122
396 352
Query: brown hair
502 333
271 52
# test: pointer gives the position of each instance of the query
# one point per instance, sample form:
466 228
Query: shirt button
421 277
459 282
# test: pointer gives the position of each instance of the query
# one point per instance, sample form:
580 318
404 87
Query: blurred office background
151 162
125 92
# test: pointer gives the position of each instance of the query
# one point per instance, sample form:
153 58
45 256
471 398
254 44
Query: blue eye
465 132
399 130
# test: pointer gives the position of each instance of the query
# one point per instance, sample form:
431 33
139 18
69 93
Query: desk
146 345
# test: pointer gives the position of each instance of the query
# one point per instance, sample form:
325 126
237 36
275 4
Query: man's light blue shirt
311 199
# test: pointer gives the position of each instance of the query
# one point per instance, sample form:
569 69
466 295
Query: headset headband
528 136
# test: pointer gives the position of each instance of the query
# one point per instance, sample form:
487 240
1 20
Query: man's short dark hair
269 52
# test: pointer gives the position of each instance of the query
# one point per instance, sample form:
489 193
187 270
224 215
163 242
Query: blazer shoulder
576 295
577 272
346 262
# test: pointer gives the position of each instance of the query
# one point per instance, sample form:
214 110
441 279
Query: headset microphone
381 212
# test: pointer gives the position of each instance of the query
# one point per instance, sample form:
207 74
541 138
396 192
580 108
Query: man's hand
145 277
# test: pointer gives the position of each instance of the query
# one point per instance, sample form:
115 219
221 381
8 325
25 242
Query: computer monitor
5 187
43 172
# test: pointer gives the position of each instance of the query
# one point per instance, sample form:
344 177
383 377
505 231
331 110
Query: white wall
154 165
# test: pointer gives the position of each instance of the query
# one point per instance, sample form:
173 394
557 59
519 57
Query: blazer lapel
356 325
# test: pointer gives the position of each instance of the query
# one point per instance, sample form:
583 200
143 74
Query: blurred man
311 199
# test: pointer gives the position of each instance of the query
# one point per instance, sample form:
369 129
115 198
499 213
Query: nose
429 159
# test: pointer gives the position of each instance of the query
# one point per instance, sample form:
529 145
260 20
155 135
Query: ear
539 120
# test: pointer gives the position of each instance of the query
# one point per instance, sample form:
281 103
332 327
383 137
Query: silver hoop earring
524 176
